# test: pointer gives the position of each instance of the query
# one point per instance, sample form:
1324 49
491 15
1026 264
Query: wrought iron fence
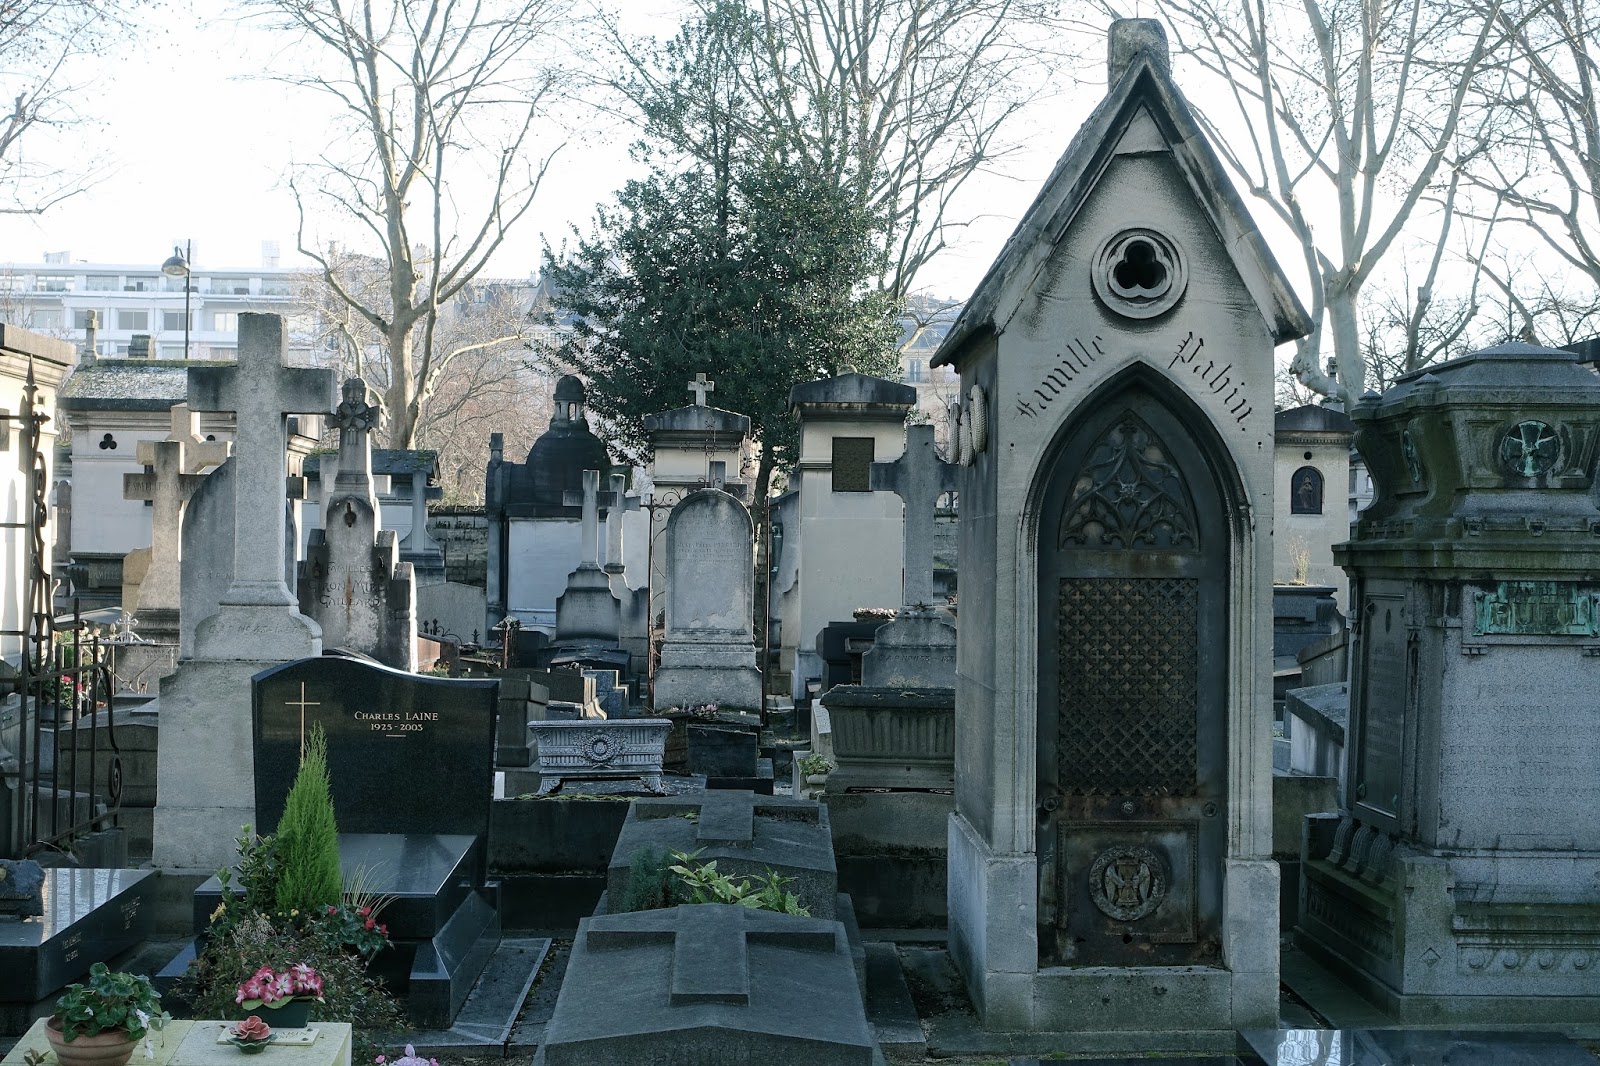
64 777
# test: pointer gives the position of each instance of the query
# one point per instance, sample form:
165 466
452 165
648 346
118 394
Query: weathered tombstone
352 580
744 834
708 984
206 777
1113 691
588 613
165 485
1458 881
66 920
709 655
426 747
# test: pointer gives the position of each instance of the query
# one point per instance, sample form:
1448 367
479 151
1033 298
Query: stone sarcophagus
588 750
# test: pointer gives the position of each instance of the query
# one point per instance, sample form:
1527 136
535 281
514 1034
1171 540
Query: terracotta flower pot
111 1048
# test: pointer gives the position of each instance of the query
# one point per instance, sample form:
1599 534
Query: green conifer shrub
307 837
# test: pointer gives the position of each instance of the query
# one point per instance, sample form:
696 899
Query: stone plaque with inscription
1383 706
406 753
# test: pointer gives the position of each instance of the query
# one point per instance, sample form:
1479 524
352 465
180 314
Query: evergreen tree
307 837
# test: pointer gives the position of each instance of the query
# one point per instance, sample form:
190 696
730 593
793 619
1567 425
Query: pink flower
364 911
335 910
380 1058
370 924
252 1028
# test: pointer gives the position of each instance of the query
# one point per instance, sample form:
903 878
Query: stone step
483 1026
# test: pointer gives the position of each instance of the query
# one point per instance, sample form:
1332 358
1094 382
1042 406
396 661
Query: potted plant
250 1036
100 1023
283 1000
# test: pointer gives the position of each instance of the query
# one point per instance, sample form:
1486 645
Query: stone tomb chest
745 834
77 918
410 763
708 984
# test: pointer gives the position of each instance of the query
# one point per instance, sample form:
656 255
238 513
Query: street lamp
178 267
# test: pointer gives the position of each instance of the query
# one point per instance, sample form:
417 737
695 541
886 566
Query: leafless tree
904 99
1545 167
41 42
481 381
437 96
1358 110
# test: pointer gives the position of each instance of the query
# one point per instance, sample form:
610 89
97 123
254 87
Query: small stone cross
617 501
167 487
700 386
262 393
198 454
356 419
710 945
919 477
591 499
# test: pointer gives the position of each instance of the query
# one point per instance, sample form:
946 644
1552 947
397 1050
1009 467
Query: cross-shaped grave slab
716 983
700 386
919 477
167 487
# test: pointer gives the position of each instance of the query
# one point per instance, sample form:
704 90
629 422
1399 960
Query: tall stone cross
356 419
700 386
591 499
710 946
618 502
262 393
198 454
919 477
167 487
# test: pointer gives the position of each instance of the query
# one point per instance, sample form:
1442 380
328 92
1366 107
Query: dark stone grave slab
718 750
89 916
1414 1047
746 835
708 984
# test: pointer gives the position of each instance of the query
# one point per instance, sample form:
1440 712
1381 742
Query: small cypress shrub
651 885
307 837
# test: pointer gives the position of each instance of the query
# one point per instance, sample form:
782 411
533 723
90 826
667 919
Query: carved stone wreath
1128 882
602 747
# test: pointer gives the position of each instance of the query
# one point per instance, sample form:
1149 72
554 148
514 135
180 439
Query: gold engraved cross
302 703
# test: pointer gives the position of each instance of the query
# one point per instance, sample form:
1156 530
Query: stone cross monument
198 454
919 477
352 581
204 764
588 613
166 486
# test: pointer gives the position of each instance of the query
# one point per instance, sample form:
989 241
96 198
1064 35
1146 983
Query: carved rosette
603 746
1128 882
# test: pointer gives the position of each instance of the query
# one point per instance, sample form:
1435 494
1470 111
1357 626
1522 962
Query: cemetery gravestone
207 786
165 485
426 746
1113 696
353 582
709 654
707 984
588 614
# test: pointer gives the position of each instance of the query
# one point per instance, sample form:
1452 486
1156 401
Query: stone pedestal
917 649
694 673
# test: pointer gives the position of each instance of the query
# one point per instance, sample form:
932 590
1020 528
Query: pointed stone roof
1142 107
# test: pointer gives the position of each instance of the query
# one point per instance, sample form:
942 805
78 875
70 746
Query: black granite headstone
406 753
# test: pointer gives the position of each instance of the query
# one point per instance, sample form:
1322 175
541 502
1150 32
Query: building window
133 319
53 283
80 319
172 320
1305 491
231 286
46 318
852 464
101 283
914 371
225 321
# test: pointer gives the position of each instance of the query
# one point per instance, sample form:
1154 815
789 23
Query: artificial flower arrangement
251 1035
267 988
410 1058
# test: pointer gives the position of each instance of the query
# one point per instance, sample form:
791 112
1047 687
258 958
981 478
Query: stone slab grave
410 764
78 917
745 834
708 984
600 750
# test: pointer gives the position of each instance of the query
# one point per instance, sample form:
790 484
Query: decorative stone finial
1127 38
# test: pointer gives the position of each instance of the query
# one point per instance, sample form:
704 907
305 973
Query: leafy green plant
651 883
815 764
110 1001
308 837
704 884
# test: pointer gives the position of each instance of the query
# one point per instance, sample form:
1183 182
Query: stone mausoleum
1461 883
1109 855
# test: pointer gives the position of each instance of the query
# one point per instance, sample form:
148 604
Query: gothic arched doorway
1133 549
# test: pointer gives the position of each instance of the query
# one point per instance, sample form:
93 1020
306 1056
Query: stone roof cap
27 342
1312 418
1147 85
129 384
852 390
693 419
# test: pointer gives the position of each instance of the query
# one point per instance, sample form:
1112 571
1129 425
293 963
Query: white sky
198 148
